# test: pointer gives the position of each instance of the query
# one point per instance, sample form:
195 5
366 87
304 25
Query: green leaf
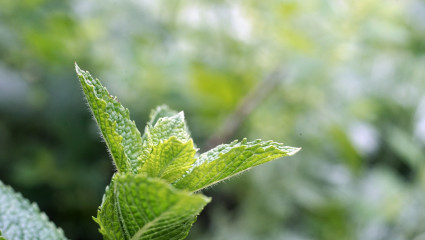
138 207
160 112
19 219
141 201
227 160
120 133
167 127
170 159
1 237
164 124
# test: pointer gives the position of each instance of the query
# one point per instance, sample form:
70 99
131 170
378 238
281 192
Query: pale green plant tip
151 197
293 150
170 159
161 168
77 68
160 112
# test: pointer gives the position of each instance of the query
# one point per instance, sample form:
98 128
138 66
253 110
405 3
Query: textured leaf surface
120 133
162 126
170 159
227 160
141 201
21 220
138 207
167 127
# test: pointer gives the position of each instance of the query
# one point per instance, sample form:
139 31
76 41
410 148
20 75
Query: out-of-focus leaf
1 237
21 220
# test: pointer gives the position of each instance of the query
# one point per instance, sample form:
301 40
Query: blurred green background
344 80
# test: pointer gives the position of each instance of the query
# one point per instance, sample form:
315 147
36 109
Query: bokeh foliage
349 89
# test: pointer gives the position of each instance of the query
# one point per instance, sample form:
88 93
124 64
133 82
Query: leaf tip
293 151
77 68
180 115
96 219
207 199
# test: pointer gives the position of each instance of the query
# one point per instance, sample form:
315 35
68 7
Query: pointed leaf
19 219
160 112
137 207
167 127
170 159
162 129
227 160
107 216
120 133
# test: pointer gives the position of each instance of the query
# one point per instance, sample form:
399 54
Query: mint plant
154 193
151 195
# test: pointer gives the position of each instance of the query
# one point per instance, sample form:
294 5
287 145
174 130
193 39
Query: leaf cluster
152 194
